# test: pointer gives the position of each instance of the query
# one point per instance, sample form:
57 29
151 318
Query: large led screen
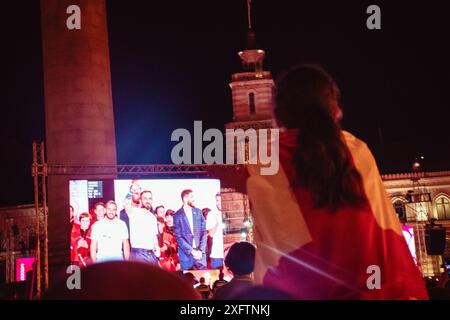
175 224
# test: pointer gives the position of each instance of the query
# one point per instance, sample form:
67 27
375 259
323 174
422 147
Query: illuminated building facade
417 198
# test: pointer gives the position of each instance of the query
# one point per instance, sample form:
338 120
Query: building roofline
415 175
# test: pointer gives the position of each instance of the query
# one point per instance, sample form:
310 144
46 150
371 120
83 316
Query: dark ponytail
322 160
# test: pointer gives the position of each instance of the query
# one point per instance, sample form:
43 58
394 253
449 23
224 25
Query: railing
415 175
248 76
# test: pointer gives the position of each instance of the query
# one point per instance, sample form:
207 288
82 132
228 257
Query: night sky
171 62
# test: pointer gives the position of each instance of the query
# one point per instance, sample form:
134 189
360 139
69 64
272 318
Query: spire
251 40
251 37
251 57
249 14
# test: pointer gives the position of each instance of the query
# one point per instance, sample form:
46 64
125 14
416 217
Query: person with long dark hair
324 226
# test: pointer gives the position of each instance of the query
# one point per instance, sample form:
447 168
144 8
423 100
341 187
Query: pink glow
23 265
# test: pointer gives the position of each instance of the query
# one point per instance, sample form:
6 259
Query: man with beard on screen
143 229
190 233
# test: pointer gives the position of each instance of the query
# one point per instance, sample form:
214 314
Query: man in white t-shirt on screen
109 237
143 229
215 231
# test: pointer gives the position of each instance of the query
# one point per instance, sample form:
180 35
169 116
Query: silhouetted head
241 258
190 278
306 90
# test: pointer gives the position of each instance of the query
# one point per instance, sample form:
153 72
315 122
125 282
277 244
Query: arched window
251 102
443 208
400 209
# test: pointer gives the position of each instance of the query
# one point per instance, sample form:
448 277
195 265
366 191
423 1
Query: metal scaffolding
41 171
138 170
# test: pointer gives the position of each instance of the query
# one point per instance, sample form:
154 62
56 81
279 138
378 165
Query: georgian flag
315 254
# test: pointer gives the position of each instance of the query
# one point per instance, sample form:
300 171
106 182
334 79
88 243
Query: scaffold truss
134 170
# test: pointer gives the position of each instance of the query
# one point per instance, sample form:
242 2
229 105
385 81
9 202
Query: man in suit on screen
190 233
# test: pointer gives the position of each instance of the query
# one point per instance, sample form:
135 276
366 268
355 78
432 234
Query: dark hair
99 204
156 209
111 202
85 215
189 276
185 193
322 161
241 258
145 191
170 212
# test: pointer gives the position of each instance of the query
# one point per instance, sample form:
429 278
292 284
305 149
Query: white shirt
109 235
143 228
190 219
213 217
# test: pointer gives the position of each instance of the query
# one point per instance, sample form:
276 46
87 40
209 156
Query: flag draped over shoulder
279 225
315 254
